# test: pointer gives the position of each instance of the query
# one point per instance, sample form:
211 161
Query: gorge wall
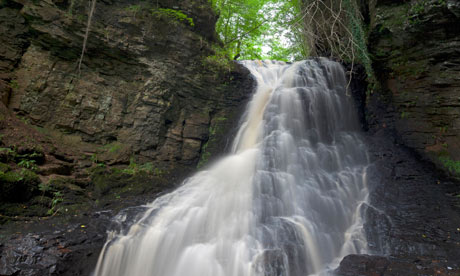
142 83
150 93
415 49
411 114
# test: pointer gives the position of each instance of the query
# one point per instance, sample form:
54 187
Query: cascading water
285 202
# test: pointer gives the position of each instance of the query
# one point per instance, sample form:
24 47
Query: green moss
129 181
214 130
14 84
133 8
394 16
405 68
18 186
135 168
7 154
34 208
450 164
113 147
10 177
4 167
404 115
176 15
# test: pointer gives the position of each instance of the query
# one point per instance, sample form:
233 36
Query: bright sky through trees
258 29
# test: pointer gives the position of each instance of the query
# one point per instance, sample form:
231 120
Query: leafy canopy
258 29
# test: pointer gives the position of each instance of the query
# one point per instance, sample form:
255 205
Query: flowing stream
285 202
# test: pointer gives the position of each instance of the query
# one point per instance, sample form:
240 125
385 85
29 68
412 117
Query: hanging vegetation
334 28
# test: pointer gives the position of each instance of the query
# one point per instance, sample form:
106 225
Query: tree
258 29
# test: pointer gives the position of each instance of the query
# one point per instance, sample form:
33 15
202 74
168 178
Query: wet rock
416 60
413 211
5 92
366 265
63 249
271 263
454 7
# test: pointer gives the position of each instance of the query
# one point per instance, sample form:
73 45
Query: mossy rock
18 185
31 153
4 167
23 210
7 155
64 184
104 181
121 182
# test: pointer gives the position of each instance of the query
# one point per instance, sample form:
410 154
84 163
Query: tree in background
258 29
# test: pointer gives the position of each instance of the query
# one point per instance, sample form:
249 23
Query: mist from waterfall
286 202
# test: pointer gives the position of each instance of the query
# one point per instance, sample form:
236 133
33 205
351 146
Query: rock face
149 96
143 82
69 248
361 265
413 217
416 56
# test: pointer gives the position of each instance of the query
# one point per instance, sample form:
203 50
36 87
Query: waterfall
285 202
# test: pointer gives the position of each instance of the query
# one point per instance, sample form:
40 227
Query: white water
286 202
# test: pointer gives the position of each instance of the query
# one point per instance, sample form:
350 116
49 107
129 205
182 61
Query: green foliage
173 14
257 29
404 115
148 167
114 147
8 154
44 187
29 176
28 164
452 165
96 161
71 7
420 8
133 8
220 61
359 39
17 185
14 84
214 129
11 177
204 157
335 29
57 198
4 167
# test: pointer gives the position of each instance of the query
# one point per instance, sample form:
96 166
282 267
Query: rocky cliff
149 95
415 47
412 116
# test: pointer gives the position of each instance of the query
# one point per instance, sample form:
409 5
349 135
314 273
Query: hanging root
333 28
85 39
